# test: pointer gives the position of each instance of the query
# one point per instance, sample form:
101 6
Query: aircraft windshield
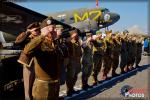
105 10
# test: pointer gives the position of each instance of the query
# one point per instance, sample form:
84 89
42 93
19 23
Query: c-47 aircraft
15 19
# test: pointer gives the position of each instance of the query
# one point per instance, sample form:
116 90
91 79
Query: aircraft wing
15 18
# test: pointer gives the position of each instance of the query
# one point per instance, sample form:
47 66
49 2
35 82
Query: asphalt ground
137 81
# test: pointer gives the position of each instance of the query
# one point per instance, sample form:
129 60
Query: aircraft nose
114 16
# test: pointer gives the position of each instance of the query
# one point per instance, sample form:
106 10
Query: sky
131 13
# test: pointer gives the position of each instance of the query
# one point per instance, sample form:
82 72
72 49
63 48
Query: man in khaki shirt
46 62
33 30
75 53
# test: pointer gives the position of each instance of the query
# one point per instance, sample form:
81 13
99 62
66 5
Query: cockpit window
105 10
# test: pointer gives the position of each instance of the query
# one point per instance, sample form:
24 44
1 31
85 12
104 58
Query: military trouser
123 62
62 74
115 62
107 64
97 63
63 70
72 73
45 90
131 60
86 72
137 59
28 77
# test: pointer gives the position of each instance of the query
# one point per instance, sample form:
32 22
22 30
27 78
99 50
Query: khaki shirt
108 42
98 47
46 58
116 47
75 50
87 52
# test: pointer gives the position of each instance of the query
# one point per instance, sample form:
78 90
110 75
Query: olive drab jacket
46 58
87 52
116 47
75 50
108 42
98 47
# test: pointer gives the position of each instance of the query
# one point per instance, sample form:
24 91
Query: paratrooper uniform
138 51
124 54
98 51
107 54
65 60
115 54
74 67
87 61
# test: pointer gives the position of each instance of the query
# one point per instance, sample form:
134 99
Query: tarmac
110 89
139 80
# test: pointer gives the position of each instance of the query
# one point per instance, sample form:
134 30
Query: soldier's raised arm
33 44
104 45
24 37
21 38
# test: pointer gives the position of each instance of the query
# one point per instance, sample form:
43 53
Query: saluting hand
44 31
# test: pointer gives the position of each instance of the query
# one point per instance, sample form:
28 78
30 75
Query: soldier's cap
88 34
117 32
98 32
33 25
108 32
46 22
114 34
73 31
125 31
86 30
59 27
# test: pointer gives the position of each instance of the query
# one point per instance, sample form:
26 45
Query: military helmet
125 32
98 32
73 31
59 27
108 32
88 34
